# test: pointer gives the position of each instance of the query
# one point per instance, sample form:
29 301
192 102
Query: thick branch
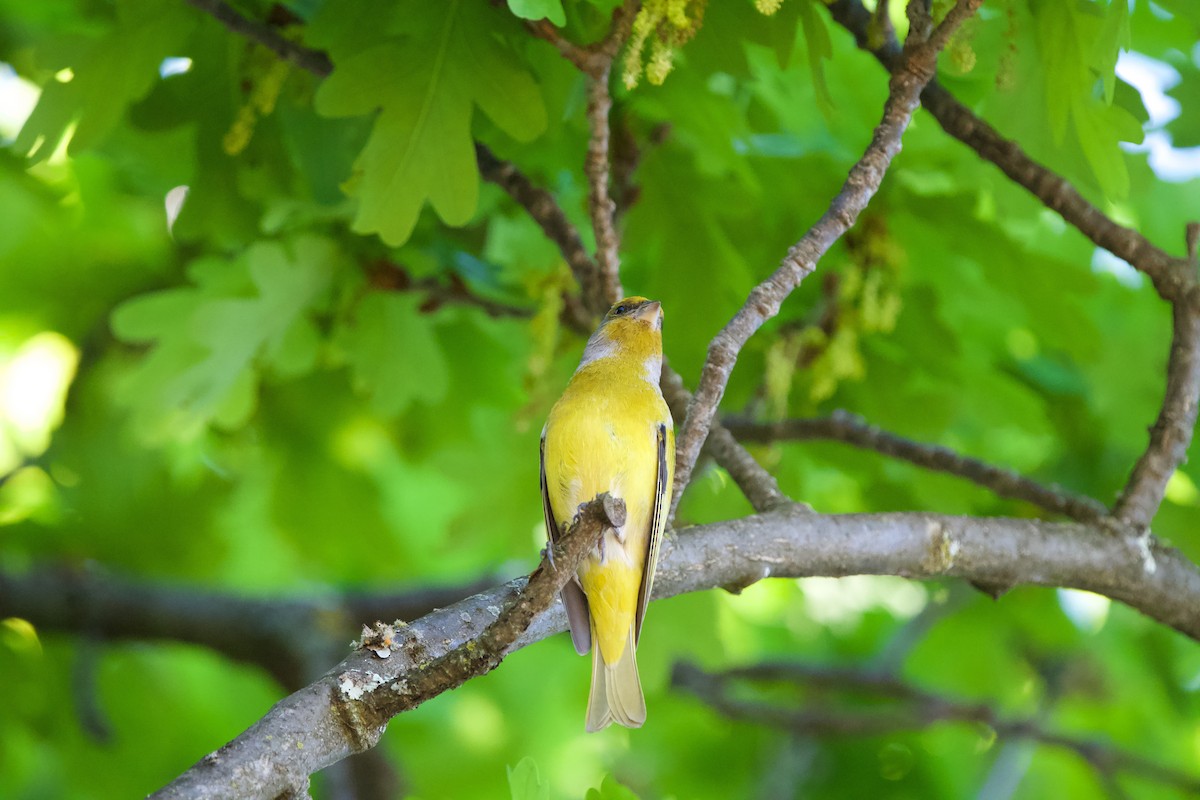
915 709
917 69
845 427
318 726
347 711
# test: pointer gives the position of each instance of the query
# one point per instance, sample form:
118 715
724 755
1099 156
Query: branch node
1143 543
943 548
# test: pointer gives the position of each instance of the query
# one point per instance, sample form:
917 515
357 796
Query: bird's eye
622 309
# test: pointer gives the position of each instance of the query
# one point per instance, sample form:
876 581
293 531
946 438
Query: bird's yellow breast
601 436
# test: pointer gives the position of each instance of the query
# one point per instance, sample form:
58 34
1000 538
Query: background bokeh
267 398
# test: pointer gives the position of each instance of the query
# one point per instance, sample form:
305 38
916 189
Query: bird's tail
616 694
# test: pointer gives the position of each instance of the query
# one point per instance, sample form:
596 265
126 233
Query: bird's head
633 315
632 328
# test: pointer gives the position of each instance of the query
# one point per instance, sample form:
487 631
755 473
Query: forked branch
842 426
917 68
1176 280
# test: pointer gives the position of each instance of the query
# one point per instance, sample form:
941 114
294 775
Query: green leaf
1098 129
525 783
113 72
424 86
820 50
210 339
1114 35
1064 70
394 355
611 790
1185 129
539 9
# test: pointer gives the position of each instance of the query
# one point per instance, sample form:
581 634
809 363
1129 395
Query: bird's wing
658 521
573 598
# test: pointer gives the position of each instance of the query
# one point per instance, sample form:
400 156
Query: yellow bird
611 431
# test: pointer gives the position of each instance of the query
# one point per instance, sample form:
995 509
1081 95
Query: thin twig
578 55
591 59
1175 279
545 211
916 709
313 61
1172 432
843 426
759 486
918 67
604 286
1168 274
388 276
600 205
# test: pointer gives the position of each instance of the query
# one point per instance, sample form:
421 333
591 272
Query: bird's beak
651 312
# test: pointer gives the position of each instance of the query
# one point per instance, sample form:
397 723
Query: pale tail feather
616 694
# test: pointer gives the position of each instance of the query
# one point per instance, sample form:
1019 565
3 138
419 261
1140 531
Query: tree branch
758 485
347 711
1175 279
1169 275
338 714
602 286
313 61
386 275
917 709
917 68
846 427
600 205
1172 432
545 211
591 59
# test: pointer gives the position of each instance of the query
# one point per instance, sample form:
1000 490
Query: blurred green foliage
267 397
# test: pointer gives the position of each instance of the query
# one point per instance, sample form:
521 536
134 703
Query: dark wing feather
573 598
657 522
